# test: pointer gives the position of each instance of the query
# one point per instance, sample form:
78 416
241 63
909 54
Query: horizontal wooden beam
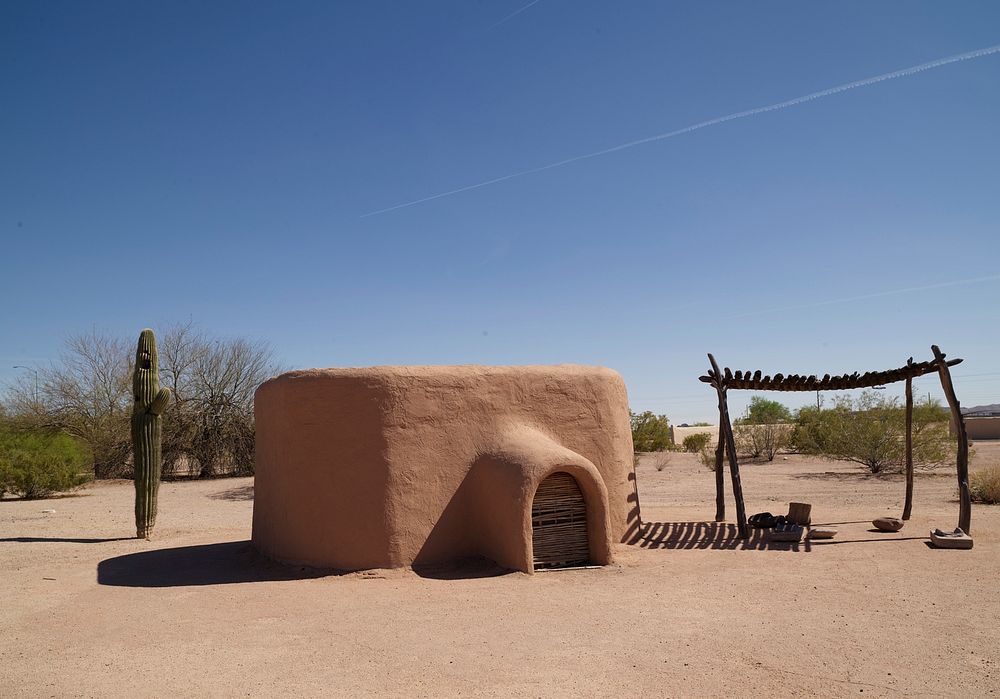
752 380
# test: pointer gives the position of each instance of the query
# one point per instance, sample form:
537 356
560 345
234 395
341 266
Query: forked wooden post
720 479
726 429
908 503
962 461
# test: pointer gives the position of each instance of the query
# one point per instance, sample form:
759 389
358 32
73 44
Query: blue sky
216 162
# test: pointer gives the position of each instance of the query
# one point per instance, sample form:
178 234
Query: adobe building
386 467
981 422
982 427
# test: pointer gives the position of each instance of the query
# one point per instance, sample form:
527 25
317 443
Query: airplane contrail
865 297
514 14
902 73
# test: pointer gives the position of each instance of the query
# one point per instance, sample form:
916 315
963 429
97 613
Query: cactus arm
159 404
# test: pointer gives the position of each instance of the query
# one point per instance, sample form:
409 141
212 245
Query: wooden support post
726 430
908 503
962 462
720 477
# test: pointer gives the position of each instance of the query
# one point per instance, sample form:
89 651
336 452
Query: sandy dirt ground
688 610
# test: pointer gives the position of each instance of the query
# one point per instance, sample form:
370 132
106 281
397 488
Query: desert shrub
650 432
661 460
747 446
694 443
761 441
762 411
34 464
707 454
701 443
812 431
871 431
985 485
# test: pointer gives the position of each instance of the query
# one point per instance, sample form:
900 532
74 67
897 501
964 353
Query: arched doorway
559 523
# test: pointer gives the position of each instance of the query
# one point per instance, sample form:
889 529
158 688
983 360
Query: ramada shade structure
725 380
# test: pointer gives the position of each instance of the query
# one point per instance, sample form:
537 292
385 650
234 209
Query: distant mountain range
993 409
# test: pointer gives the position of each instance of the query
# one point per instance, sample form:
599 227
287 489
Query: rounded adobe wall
390 466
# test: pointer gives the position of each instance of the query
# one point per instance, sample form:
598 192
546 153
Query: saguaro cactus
147 422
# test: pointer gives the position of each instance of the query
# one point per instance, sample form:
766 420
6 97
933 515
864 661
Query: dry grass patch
985 485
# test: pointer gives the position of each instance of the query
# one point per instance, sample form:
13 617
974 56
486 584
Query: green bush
34 464
871 431
694 443
650 432
985 485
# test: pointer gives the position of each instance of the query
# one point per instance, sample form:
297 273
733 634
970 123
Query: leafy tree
210 422
932 440
762 411
871 431
764 430
650 432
